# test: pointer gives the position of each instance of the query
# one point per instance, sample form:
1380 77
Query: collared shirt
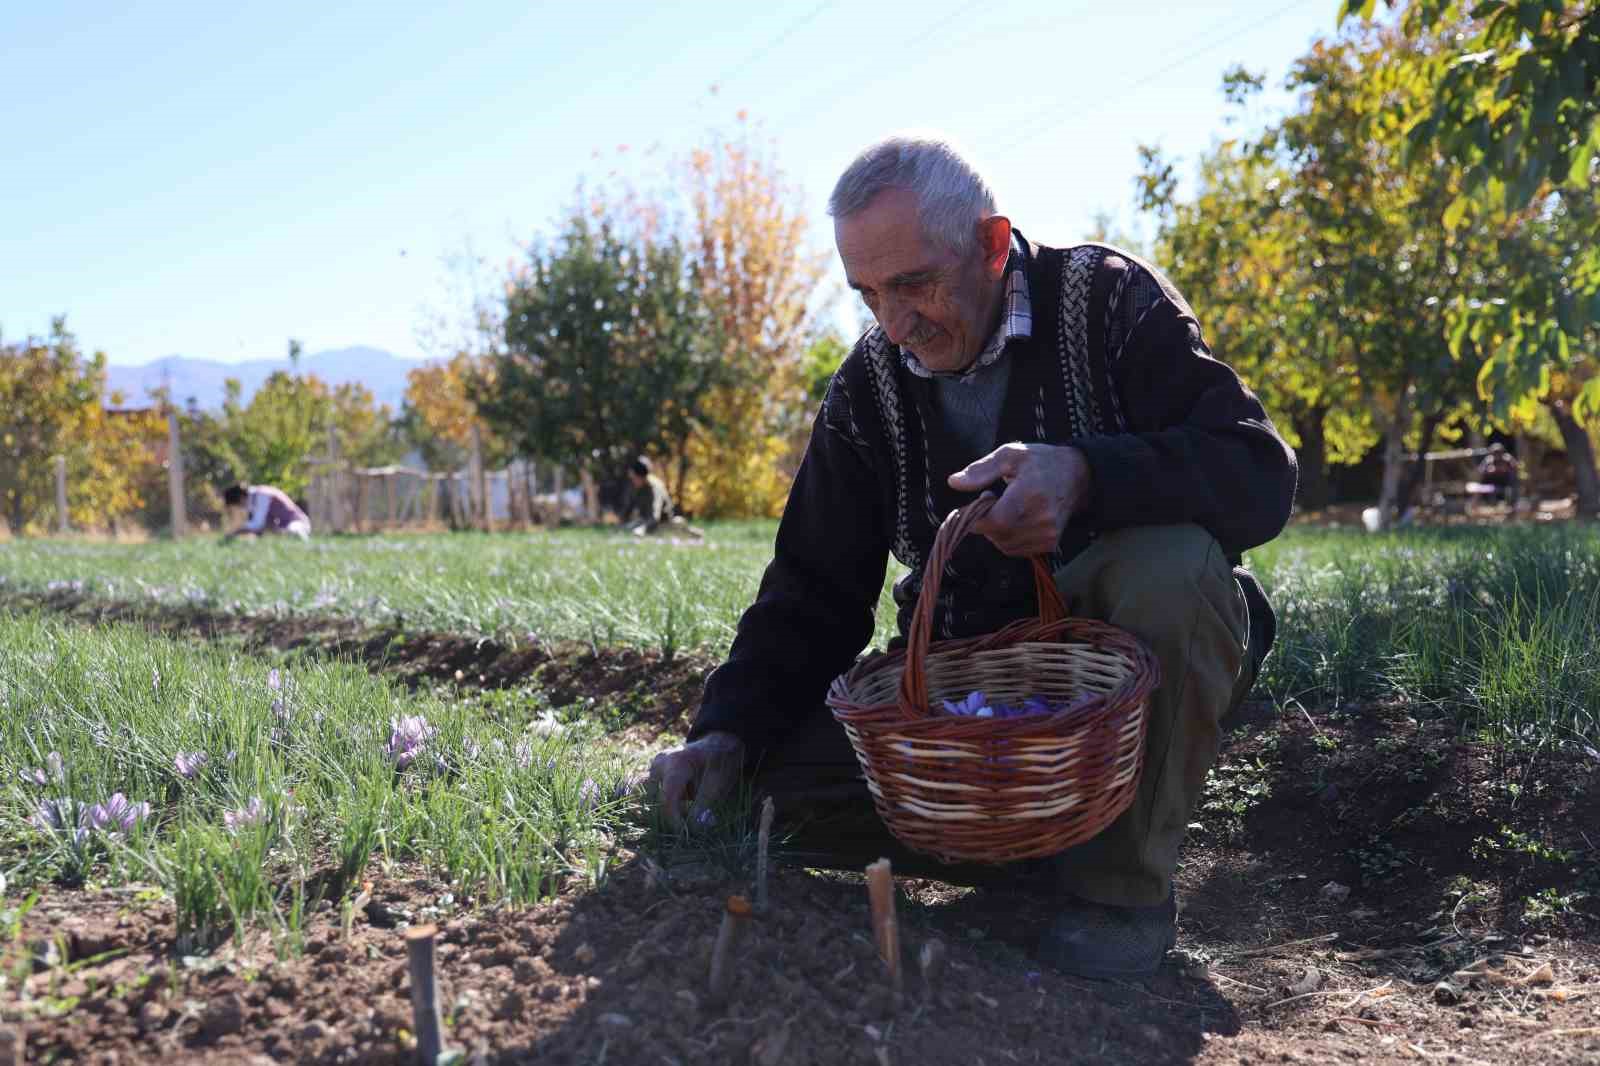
1016 322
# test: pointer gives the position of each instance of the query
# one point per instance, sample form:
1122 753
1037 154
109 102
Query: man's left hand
1046 484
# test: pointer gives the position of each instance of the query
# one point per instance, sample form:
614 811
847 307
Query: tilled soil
618 974
1362 885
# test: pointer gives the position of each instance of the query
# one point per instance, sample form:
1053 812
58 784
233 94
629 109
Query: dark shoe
1107 943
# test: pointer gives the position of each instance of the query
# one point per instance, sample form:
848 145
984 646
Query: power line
766 49
901 47
1024 131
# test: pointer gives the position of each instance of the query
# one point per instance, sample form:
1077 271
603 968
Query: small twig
352 905
1325 992
734 918
1251 953
425 1019
762 841
1374 1022
1315 728
885 926
1236 981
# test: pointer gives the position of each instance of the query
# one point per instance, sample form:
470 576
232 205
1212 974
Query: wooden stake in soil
885 926
761 854
425 1019
734 919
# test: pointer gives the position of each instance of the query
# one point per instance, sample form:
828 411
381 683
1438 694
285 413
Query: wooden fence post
480 481
61 495
335 486
175 475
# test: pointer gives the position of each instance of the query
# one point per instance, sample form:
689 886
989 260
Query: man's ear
994 238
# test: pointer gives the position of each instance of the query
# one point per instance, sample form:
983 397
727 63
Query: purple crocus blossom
55 771
190 763
974 705
274 680
252 813
977 705
588 794
116 815
407 737
55 816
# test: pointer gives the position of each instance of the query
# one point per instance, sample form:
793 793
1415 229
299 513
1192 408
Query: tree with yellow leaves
748 251
53 402
439 412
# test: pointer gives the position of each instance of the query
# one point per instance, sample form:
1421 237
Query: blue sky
209 180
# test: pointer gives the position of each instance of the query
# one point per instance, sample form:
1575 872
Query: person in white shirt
268 510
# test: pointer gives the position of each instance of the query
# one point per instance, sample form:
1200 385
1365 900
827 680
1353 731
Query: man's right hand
701 772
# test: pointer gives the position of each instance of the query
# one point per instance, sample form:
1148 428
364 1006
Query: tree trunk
1394 457
683 475
1408 490
1314 489
1580 453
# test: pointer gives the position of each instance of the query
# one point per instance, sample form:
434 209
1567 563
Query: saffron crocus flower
55 816
274 680
116 815
190 763
54 772
974 705
252 813
407 737
588 794
523 753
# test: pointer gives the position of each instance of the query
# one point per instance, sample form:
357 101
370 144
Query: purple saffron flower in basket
407 737
976 705
190 763
115 816
252 813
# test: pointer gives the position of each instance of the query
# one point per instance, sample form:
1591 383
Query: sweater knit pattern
883 359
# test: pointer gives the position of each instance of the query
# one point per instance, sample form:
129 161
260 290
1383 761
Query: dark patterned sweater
1116 366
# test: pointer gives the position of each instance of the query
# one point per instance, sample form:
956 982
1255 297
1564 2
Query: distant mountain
203 379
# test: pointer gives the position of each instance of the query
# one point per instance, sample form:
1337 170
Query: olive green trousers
1171 586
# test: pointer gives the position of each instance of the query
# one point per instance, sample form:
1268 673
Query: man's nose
898 320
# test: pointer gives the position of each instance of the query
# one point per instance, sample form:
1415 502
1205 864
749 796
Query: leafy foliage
608 352
53 402
1514 97
439 412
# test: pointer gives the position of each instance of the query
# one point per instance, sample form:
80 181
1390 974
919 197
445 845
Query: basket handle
957 524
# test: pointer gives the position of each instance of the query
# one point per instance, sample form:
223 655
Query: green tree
608 349
1513 99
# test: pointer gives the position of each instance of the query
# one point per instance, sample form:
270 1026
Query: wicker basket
999 789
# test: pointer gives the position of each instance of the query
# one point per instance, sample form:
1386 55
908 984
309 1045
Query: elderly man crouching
1075 381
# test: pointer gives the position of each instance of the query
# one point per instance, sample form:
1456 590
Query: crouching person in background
649 508
267 510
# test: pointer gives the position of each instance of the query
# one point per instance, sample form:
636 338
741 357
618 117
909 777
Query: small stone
151 1016
1445 992
313 1030
584 955
224 1017
1334 892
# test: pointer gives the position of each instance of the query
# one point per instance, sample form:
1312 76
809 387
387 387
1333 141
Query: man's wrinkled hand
702 772
1046 484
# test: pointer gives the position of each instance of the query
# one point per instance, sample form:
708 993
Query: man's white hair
952 197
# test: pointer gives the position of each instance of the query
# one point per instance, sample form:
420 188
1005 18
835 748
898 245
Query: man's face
927 300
